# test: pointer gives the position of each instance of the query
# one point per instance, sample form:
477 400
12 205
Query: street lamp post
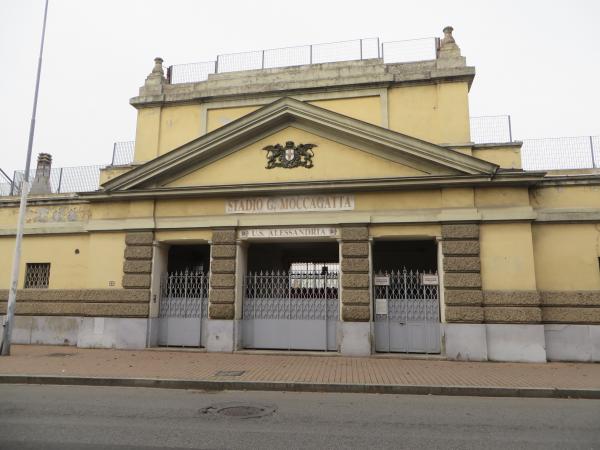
12 295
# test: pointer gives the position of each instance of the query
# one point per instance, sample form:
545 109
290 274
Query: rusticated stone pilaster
355 276
139 238
136 281
137 266
462 264
460 231
462 273
221 296
356 313
135 253
221 311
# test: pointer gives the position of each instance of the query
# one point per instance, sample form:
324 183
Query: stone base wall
512 307
462 273
84 332
573 307
221 297
355 274
79 302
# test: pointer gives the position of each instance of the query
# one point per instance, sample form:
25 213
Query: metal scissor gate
183 306
407 315
293 310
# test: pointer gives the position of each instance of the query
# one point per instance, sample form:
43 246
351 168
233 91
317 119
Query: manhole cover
239 410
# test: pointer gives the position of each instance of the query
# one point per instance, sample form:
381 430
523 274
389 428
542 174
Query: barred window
37 275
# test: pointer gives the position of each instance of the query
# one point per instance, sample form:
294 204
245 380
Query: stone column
355 335
465 334
221 297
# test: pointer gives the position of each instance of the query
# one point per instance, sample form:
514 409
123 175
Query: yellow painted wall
402 200
147 134
367 109
566 197
106 253
332 161
506 196
178 125
505 157
7 248
507 261
183 235
162 129
566 256
458 197
122 210
108 173
217 117
190 207
437 113
407 231
100 259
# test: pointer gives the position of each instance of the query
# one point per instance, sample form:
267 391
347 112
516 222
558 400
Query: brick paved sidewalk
260 367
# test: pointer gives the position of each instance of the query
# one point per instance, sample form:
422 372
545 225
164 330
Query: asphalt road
66 417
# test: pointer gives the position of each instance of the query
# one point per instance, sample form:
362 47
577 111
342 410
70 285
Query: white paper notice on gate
429 279
382 280
381 306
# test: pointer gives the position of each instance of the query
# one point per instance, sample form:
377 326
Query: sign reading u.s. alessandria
289 203
274 233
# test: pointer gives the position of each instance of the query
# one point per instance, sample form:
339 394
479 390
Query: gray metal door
183 307
407 314
290 310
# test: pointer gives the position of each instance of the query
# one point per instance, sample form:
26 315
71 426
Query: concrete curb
213 385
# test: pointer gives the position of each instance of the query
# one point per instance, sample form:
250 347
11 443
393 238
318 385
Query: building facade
337 207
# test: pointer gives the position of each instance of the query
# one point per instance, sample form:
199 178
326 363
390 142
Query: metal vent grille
37 275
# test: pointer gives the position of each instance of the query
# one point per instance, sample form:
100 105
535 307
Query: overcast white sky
538 61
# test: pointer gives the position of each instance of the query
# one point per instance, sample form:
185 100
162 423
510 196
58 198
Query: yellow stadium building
336 206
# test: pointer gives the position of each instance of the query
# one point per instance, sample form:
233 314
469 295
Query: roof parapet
155 80
448 54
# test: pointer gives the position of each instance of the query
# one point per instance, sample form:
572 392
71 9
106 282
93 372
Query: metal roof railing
581 152
563 153
353 50
6 184
123 153
64 179
491 129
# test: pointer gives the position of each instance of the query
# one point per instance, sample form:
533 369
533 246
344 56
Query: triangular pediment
346 149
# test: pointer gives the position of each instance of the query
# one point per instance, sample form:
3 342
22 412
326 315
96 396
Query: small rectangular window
37 275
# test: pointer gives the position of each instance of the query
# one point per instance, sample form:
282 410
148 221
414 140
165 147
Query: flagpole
12 295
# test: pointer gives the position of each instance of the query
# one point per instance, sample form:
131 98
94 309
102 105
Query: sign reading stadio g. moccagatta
290 203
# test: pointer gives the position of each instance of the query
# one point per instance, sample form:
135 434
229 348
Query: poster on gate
382 280
429 279
381 306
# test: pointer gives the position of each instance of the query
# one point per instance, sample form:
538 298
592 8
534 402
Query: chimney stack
41 182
